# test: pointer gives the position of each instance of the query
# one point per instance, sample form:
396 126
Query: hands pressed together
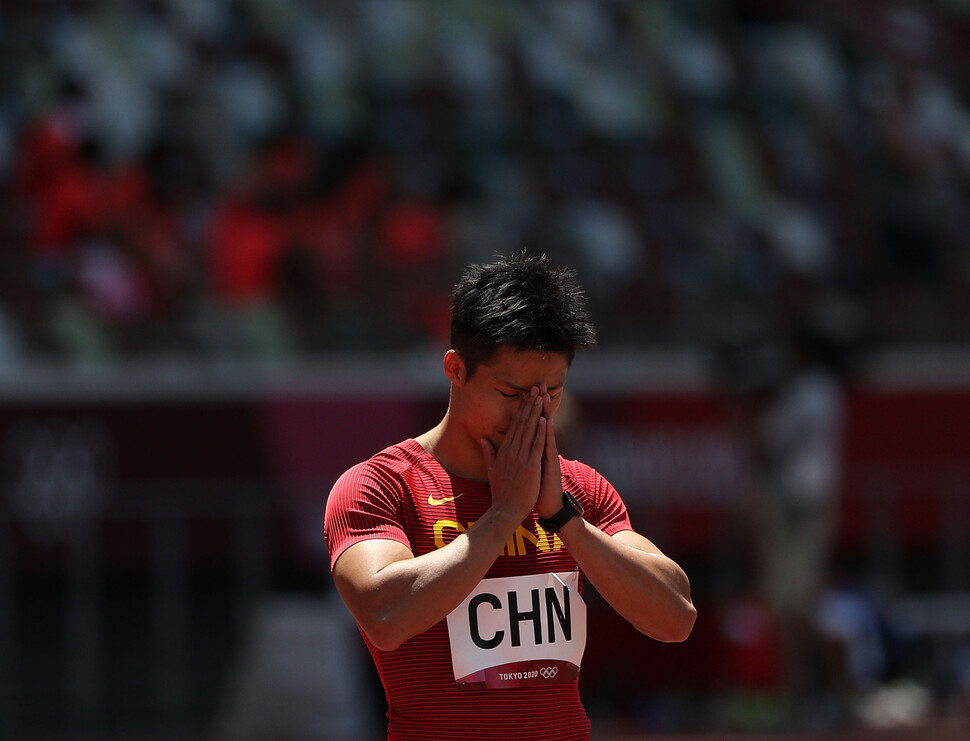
523 472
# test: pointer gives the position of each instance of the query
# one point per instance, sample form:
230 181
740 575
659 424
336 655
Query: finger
532 430
539 443
546 405
523 424
514 431
552 452
488 450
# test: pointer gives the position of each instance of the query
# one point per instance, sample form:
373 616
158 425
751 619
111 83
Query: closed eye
508 396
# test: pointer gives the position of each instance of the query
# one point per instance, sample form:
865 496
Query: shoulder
393 460
379 487
395 472
368 501
384 470
580 474
605 508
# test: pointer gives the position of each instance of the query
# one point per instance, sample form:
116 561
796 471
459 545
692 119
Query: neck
457 454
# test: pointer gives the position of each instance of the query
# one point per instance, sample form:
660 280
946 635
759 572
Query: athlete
462 552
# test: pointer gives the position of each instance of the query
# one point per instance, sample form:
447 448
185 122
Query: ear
455 368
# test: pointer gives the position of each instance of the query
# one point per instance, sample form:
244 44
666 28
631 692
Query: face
485 402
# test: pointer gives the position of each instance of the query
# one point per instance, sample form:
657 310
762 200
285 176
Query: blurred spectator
684 154
789 391
854 649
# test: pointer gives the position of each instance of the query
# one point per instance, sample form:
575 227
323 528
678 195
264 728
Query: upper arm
357 572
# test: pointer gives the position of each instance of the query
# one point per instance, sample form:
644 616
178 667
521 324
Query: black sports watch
570 508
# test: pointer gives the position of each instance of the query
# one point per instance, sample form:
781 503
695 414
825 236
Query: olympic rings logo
548 672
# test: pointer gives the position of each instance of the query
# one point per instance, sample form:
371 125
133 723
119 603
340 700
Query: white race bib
519 630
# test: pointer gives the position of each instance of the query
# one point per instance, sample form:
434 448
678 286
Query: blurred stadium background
229 231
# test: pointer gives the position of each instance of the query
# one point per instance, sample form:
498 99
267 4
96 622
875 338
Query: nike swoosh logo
441 500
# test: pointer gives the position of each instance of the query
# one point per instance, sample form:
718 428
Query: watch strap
570 508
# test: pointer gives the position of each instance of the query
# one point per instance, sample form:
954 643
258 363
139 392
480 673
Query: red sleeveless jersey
404 494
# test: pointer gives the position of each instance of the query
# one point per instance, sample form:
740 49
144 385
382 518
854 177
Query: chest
435 515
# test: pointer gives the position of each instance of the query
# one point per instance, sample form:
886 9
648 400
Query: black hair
523 301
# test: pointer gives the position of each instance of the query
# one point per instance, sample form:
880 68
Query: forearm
397 600
636 579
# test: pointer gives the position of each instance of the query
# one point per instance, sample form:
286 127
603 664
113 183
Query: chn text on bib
518 631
